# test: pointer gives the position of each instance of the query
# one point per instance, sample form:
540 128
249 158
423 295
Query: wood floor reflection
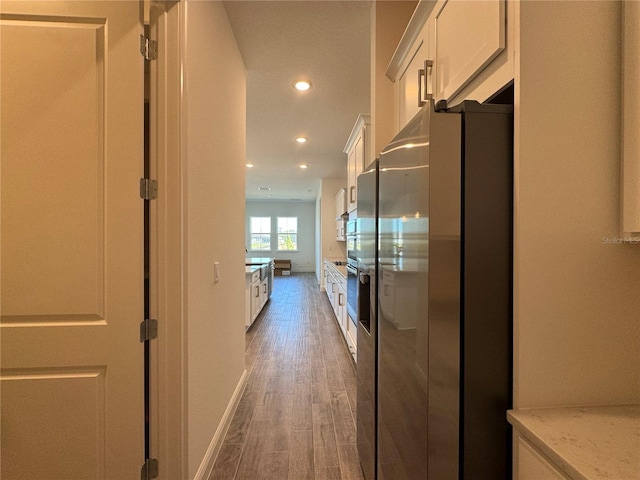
296 418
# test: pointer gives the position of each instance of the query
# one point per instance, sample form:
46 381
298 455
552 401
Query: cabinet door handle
340 299
264 289
257 291
422 77
351 192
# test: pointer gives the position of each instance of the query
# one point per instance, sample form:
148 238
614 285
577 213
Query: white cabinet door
357 158
468 36
532 466
340 308
341 203
352 338
351 177
341 230
341 209
264 292
256 299
416 77
247 302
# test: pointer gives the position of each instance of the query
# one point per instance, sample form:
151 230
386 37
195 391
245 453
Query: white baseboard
210 456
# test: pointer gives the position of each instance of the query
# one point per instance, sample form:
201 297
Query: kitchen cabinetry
576 442
252 295
336 289
434 58
351 336
412 66
340 302
533 466
341 209
264 292
459 58
358 152
258 278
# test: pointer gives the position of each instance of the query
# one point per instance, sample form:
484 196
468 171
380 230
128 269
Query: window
287 233
260 233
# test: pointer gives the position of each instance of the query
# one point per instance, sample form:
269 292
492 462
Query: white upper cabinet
411 67
468 36
341 203
452 50
341 208
357 151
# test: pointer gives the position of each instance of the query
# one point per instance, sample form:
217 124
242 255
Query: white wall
304 259
576 300
214 126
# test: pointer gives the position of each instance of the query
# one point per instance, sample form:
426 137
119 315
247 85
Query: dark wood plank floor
296 418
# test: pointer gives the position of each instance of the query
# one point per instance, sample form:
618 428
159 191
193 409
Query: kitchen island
258 286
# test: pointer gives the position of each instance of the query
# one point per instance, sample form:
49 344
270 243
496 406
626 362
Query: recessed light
249 165
264 189
303 166
302 139
302 85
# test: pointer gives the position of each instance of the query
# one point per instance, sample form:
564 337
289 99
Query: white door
72 240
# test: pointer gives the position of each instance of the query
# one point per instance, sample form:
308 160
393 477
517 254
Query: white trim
168 416
410 35
210 456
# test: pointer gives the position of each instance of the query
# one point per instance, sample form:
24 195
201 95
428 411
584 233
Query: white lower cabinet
256 299
264 292
340 307
352 338
252 297
531 465
256 296
336 289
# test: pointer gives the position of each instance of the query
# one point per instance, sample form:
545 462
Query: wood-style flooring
296 418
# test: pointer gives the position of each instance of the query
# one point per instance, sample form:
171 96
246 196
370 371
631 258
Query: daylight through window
287 233
260 233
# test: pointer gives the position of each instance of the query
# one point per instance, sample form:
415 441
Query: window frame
268 234
295 233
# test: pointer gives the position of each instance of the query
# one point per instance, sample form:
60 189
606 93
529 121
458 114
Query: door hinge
148 189
148 329
148 48
149 469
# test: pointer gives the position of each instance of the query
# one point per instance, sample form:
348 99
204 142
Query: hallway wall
214 122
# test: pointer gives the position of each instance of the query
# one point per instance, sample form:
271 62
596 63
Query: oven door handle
352 270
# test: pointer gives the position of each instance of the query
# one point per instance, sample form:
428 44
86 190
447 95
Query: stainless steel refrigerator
434 345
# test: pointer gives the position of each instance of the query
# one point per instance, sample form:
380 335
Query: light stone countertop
341 269
586 443
249 269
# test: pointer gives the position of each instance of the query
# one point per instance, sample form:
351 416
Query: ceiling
325 42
